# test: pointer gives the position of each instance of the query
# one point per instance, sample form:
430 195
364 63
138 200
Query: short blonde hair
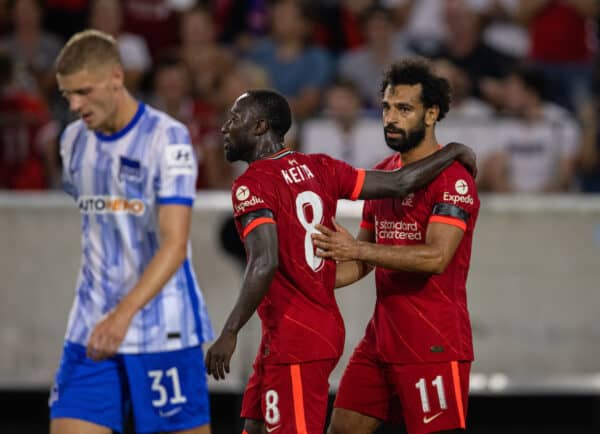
86 49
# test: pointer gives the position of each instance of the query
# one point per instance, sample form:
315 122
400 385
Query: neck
265 149
428 146
127 108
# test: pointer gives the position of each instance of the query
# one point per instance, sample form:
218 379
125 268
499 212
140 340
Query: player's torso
300 310
113 181
418 316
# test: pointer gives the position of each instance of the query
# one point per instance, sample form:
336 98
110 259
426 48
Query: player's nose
75 103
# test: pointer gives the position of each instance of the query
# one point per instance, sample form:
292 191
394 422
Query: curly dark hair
436 89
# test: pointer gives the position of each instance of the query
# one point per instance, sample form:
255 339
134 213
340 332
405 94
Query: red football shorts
426 397
290 399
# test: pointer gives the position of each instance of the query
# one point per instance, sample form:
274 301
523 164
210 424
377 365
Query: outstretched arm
262 250
415 176
433 256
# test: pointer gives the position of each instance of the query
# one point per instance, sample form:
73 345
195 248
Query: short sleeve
454 198
248 194
177 168
66 151
349 180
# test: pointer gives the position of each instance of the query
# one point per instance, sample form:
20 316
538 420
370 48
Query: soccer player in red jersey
413 364
277 203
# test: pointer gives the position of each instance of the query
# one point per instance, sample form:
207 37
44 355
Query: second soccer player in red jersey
277 203
413 363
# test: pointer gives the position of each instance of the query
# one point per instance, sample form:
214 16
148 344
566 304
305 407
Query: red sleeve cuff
360 182
255 223
448 221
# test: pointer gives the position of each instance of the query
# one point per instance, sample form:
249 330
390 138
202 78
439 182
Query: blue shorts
167 391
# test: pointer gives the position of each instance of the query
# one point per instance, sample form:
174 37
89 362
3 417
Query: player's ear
262 126
117 77
431 115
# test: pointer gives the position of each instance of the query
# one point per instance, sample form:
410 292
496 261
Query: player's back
300 316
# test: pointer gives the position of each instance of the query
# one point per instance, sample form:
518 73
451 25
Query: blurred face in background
516 96
93 94
287 21
172 84
342 104
27 15
197 29
107 16
458 78
378 29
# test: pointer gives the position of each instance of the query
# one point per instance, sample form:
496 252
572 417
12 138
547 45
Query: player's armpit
417 175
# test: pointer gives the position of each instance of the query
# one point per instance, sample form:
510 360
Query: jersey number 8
305 201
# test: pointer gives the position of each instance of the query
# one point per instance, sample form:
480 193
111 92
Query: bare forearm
163 265
412 177
348 272
421 258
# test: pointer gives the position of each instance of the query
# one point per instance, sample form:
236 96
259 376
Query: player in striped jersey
138 320
277 202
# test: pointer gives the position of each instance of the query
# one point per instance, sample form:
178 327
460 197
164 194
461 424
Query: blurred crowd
524 75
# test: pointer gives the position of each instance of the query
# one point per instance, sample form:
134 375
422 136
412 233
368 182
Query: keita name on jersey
297 174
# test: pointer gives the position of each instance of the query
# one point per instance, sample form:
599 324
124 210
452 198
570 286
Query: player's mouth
86 117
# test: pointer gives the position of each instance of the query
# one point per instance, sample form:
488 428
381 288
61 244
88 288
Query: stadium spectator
207 60
28 136
365 65
344 131
338 25
466 48
296 68
155 21
32 48
563 45
171 94
107 16
239 23
537 150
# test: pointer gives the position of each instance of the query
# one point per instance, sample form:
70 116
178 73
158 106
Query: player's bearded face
405 140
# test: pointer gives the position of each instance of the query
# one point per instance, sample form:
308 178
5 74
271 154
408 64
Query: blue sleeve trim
175 200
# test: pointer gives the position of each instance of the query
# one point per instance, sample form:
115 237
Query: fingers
216 365
323 229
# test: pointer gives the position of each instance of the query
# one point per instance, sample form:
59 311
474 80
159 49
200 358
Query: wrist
229 331
126 308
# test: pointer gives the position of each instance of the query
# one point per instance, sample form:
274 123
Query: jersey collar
116 136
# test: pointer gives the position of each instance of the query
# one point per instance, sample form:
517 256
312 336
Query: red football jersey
300 317
422 317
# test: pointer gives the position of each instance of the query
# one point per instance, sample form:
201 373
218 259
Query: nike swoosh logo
272 428
169 413
426 419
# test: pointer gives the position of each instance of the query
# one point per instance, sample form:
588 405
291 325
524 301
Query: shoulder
388 163
71 131
455 179
166 126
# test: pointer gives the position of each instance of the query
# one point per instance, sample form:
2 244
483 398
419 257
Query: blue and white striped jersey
119 181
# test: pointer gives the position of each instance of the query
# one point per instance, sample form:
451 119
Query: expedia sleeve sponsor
110 205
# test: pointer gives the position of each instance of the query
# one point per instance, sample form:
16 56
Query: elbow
436 264
264 267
